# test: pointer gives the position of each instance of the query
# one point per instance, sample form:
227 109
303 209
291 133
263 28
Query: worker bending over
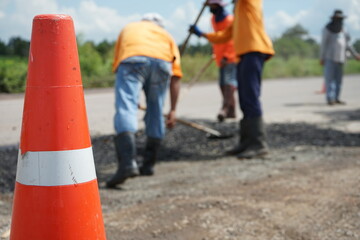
146 57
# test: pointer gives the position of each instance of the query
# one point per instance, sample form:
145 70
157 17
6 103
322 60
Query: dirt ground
308 188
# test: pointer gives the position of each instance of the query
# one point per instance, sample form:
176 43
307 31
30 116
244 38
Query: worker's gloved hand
194 29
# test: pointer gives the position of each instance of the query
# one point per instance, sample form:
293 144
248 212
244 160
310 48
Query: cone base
71 212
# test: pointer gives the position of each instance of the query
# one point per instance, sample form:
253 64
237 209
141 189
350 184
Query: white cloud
92 21
99 23
182 17
354 15
96 22
281 21
314 17
19 20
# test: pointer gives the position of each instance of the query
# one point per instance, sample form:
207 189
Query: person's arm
222 36
174 95
350 48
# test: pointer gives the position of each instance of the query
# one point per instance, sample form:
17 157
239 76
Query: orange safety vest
223 50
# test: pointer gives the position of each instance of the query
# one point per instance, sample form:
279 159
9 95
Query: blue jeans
333 72
153 76
249 71
227 75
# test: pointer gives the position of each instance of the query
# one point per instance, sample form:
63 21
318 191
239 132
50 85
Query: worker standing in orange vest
253 47
225 59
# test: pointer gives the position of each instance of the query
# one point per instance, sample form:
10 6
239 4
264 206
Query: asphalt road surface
284 100
307 188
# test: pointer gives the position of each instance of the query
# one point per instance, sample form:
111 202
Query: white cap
155 18
219 2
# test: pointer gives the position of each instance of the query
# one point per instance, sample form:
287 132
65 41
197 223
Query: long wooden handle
192 124
199 127
183 46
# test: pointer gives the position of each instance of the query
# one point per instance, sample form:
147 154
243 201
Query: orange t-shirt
247 30
145 38
223 50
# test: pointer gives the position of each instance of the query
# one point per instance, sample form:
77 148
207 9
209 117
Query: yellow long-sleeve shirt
145 38
247 30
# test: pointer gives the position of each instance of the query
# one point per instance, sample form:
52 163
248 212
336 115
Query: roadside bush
95 70
352 66
278 67
12 74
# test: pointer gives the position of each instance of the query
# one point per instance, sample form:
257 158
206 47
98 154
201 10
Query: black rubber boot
243 139
150 156
126 152
254 144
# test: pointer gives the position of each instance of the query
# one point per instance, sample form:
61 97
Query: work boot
125 147
222 113
150 156
254 142
230 101
337 101
243 139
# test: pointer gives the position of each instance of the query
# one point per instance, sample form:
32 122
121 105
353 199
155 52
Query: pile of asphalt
188 144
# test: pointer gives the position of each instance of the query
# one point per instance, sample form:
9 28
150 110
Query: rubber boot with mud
254 144
243 139
125 147
150 156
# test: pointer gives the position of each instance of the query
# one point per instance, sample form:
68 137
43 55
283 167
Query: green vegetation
296 56
191 65
96 63
12 74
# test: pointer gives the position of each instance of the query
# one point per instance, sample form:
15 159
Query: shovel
211 133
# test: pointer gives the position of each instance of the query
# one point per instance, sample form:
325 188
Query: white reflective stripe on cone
56 168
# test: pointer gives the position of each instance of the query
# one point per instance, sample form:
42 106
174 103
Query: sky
98 20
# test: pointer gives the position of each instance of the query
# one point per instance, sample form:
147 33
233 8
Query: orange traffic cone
56 192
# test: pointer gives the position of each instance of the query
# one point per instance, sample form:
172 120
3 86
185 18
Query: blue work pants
153 76
249 71
227 75
333 72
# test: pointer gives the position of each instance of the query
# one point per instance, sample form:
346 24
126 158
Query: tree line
295 41
96 59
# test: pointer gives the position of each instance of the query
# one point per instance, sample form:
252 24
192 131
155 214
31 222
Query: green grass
192 65
298 67
13 71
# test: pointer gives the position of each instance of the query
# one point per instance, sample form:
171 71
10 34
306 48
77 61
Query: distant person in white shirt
334 44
